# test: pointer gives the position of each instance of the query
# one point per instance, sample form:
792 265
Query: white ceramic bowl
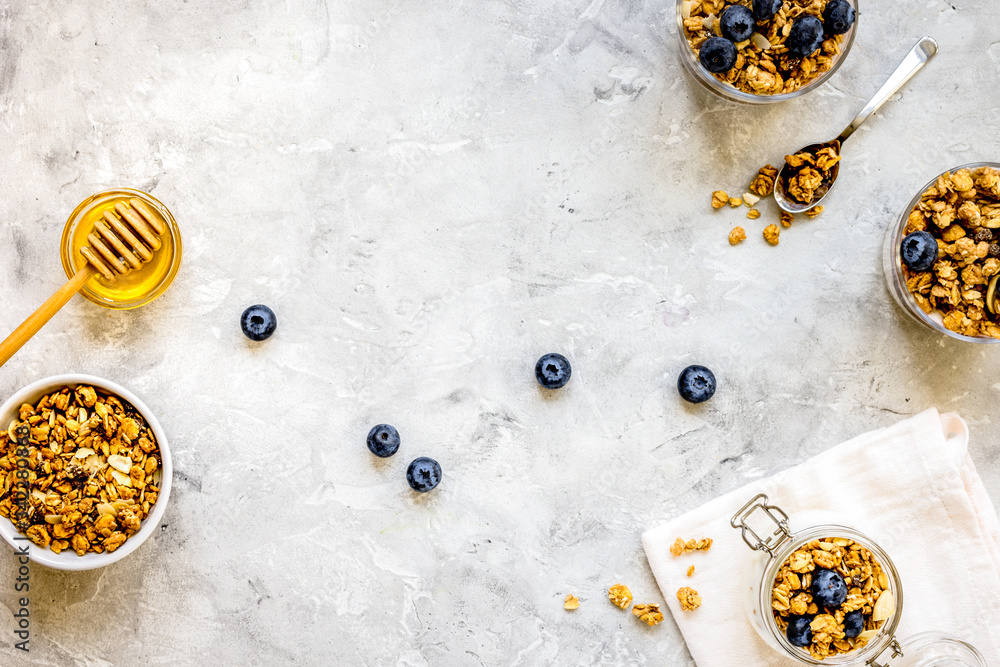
68 560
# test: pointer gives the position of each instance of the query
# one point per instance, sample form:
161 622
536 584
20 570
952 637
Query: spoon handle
918 56
37 319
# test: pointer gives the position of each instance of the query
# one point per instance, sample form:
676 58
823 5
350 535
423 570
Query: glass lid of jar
930 649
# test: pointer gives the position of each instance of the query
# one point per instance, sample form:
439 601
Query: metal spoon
918 56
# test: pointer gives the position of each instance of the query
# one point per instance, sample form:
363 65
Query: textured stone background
430 196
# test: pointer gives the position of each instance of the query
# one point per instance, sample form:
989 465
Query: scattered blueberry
920 251
423 474
553 371
854 623
799 633
258 322
828 588
764 10
838 17
717 55
736 23
696 384
806 36
383 440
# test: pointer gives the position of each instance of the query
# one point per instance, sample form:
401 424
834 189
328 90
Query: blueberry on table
764 10
806 36
423 474
854 623
383 440
799 633
828 588
919 251
258 322
552 371
736 23
696 384
717 55
838 17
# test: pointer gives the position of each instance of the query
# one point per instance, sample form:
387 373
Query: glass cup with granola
942 257
764 51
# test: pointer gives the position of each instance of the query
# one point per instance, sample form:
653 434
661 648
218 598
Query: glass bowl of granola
953 288
757 62
85 472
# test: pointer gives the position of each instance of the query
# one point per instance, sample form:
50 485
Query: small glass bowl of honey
137 287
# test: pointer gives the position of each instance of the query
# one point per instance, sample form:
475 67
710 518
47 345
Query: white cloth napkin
912 488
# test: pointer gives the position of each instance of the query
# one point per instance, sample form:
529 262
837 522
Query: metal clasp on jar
897 652
772 542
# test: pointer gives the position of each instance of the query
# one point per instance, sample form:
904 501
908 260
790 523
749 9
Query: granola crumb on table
962 211
650 614
620 596
753 214
763 64
571 602
93 471
719 199
681 546
690 570
771 234
738 235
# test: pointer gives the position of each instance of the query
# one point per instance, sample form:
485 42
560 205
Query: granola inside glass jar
831 596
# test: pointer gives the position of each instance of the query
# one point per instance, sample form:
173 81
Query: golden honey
139 286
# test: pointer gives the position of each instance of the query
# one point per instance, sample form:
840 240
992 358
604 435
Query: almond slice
106 508
885 607
121 478
760 41
867 635
120 463
83 452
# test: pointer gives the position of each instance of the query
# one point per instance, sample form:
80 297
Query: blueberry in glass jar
828 588
764 10
799 633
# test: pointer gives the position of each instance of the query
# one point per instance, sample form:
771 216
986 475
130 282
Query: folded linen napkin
913 489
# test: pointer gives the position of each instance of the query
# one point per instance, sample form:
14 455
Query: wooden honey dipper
115 249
